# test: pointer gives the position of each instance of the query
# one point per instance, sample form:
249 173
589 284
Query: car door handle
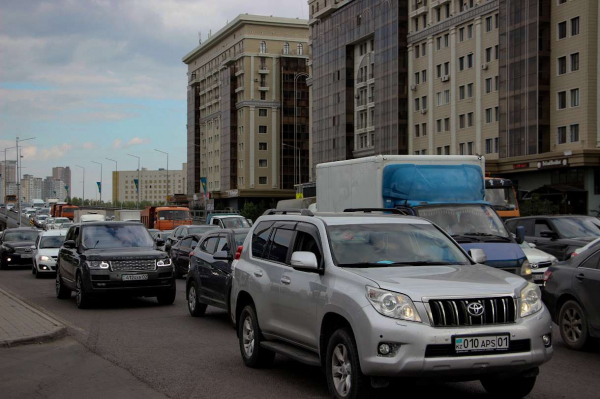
258 273
285 280
580 276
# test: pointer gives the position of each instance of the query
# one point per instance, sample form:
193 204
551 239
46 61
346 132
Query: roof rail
302 212
385 210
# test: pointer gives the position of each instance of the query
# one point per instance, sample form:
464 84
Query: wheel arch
331 322
243 299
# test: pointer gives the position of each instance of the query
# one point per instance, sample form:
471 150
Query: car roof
110 223
22 228
342 218
58 232
553 217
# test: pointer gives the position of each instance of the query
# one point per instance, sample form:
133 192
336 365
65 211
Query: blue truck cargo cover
413 185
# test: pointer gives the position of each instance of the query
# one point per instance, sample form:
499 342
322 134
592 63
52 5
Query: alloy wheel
248 334
572 325
341 370
192 299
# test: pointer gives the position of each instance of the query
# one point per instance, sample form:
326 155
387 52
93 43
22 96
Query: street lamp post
139 186
6 178
296 76
99 188
19 174
167 154
116 172
83 193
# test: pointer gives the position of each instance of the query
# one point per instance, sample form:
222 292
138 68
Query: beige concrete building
247 136
152 184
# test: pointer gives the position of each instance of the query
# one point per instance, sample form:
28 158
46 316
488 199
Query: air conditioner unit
484 67
413 87
445 78
424 111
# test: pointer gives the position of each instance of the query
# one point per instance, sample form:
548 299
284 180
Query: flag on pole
99 186
136 181
204 188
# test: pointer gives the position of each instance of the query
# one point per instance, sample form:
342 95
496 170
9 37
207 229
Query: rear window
239 239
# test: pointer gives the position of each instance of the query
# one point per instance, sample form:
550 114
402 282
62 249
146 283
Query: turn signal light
238 253
547 276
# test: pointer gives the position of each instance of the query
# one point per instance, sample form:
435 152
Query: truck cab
166 217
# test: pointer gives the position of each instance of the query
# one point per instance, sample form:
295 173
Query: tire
253 355
573 325
62 292
2 264
82 298
196 308
34 269
167 298
509 388
342 355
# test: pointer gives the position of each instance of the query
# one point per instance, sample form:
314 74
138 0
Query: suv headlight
163 262
44 258
526 269
531 300
392 304
98 264
8 249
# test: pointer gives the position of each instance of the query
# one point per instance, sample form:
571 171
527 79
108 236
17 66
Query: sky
97 79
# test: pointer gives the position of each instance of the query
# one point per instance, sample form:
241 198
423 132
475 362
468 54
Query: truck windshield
117 236
389 245
51 242
577 227
501 198
466 220
174 215
23 235
234 223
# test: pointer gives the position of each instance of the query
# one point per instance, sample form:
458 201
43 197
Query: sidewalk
22 324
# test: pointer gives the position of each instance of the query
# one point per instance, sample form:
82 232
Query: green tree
537 206
250 211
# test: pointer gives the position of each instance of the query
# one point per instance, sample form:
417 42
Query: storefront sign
232 193
553 163
520 166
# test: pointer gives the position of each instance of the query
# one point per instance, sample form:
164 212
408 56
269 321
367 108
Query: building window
461 64
417 51
561 134
438 97
497 51
439 150
488 24
488 85
424 102
446 68
424 129
262 163
262 180
439 70
470 90
574 62
262 112
424 76
262 129
438 125
470 60
562 65
488 115
417 130
489 146
470 31
461 35
461 93
574 133
447 124
461 148
470 119
574 97
417 78
446 150
263 47
562 30
488 54
286 48
438 42
575 26
417 102
446 40
470 148
263 95
262 146
300 49
562 99
461 121
447 96
497 113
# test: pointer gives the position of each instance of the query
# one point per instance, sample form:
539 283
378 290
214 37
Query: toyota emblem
475 309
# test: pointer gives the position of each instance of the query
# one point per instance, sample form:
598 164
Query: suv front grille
541 265
133 265
454 312
23 250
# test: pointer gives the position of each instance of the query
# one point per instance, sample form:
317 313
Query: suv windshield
466 220
174 215
577 227
117 236
51 242
234 223
23 235
395 244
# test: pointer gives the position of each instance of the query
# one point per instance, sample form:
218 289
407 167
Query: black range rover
113 257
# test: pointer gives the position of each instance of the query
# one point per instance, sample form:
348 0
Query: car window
194 242
306 242
541 225
260 237
210 245
186 243
591 262
223 244
52 242
577 227
279 245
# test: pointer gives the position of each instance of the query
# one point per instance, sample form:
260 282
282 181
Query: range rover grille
133 265
455 312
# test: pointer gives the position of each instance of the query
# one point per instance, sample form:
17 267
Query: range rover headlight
163 262
531 300
392 304
99 264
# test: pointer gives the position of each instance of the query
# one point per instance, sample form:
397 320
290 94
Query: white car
45 251
56 222
539 261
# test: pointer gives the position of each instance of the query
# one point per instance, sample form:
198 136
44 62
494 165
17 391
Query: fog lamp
384 349
547 338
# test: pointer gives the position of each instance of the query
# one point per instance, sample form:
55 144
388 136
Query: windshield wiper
425 263
464 238
488 235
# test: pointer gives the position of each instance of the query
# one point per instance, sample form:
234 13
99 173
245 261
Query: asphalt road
164 351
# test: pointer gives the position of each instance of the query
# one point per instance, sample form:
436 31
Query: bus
500 193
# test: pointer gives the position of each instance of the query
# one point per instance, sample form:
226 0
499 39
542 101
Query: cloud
117 143
136 141
33 153
88 145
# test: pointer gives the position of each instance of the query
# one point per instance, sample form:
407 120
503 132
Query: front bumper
17 259
46 266
427 351
106 281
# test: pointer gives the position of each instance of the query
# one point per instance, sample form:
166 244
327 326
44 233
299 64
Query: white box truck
128 215
88 215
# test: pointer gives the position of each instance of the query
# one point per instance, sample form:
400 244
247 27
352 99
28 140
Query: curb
59 331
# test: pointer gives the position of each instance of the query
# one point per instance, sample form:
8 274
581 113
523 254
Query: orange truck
500 193
68 211
166 217
55 210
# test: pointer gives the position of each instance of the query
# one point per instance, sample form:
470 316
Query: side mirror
520 234
160 242
549 234
250 222
304 261
222 255
478 255
69 244
531 245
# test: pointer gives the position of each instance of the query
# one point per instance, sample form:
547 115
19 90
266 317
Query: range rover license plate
485 343
134 277
26 256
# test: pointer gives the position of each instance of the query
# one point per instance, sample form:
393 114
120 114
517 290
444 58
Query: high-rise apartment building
9 171
359 78
152 185
31 188
504 79
248 110
64 174
53 189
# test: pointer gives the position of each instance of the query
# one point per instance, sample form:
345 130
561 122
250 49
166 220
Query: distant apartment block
64 174
152 185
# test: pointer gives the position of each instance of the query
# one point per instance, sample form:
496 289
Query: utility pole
167 154
116 173
19 175
139 185
5 178
83 194
99 188
296 76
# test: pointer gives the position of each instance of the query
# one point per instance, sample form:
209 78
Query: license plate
134 277
483 343
538 277
26 256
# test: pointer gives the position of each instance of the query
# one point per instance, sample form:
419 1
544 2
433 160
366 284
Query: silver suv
370 297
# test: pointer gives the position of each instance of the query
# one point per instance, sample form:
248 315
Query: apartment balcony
240 72
263 88
263 70
419 7
239 89
437 3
